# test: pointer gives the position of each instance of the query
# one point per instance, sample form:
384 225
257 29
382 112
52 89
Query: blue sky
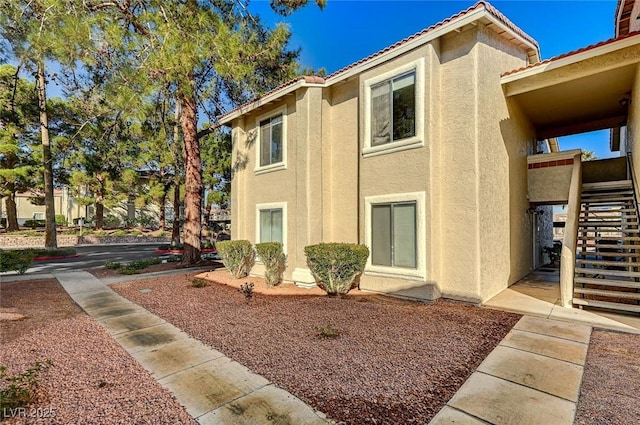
349 30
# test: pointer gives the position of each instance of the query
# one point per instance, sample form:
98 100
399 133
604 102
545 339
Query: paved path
532 377
213 388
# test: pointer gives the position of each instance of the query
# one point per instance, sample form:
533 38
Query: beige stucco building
423 151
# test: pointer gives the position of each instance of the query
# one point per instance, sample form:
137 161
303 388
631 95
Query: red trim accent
549 164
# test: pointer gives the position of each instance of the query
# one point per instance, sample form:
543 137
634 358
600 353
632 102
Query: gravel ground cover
393 362
92 380
610 392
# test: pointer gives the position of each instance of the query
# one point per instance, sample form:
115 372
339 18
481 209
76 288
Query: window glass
381 235
404 107
271 141
394 235
393 109
271 225
404 235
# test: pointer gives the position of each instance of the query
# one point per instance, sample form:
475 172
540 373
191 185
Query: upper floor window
271 140
271 146
393 109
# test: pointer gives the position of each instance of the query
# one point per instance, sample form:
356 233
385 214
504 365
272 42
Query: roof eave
571 59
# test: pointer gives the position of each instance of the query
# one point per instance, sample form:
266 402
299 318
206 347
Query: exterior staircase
608 251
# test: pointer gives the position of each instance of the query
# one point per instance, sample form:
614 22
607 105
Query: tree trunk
99 215
50 236
175 230
12 213
163 219
193 177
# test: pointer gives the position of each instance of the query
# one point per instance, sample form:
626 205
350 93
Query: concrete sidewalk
213 388
532 377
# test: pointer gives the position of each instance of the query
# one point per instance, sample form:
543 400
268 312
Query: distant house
439 153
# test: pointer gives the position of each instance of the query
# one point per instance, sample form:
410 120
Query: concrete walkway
213 388
532 377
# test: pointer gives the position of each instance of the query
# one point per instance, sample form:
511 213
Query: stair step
601 198
607 254
605 272
610 223
605 293
611 185
624 193
606 304
609 238
625 264
607 282
614 230
597 245
601 210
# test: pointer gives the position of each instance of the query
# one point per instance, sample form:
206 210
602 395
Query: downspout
570 241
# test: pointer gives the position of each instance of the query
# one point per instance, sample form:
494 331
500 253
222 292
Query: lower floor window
271 225
394 234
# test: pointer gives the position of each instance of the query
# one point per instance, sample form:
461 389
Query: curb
57 257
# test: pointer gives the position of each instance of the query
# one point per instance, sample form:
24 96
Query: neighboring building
428 152
64 204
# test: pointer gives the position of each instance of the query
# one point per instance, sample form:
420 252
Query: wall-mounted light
625 101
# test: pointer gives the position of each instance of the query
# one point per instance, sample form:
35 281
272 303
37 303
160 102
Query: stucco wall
504 140
342 153
249 188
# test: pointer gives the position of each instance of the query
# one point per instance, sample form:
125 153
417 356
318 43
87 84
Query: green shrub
336 267
274 261
327 331
34 223
16 260
61 220
198 282
111 221
20 390
112 265
237 256
128 270
119 233
135 232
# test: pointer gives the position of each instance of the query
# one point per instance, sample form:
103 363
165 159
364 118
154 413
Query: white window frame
38 215
273 206
417 66
420 272
278 165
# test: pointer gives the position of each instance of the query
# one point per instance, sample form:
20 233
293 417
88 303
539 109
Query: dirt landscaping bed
610 392
393 362
92 380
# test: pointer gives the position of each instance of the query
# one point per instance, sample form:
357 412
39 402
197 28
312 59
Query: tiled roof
319 80
572 53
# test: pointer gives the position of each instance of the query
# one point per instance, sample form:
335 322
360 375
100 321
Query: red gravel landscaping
394 362
610 392
92 380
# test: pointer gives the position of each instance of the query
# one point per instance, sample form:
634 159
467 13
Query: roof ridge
482 3
572 53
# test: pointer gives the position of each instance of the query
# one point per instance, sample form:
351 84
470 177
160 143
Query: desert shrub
274 261
53 252
147 221
336 266
198 282
61 220
128 270
16 260
111 221
135 232
21 390
34 223
237 256
119 233
246 289
112 265
327 331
